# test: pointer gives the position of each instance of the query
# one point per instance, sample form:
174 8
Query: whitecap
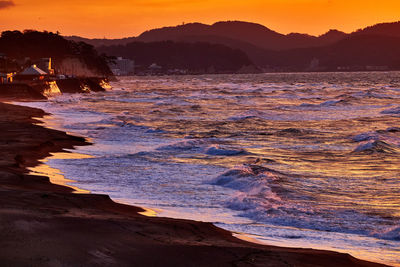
392 233
377 146
395 110
218 151
365 137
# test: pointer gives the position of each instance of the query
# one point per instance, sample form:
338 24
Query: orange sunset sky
124 18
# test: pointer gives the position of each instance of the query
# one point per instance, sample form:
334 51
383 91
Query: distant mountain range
224 32
376 46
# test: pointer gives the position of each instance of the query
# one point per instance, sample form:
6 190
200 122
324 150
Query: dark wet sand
43 224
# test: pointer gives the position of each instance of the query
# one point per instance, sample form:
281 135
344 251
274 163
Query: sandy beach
44 224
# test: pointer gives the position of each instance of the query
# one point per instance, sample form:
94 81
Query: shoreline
55 175
58 178
44 224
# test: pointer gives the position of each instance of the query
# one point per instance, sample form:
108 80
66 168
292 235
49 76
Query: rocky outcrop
47 88
82 85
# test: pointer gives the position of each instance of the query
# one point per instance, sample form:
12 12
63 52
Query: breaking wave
392 233
377 147
395 111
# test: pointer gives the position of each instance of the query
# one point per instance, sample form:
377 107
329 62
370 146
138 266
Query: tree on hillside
36 45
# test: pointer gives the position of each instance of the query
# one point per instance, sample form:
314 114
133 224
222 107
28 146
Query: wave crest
377 146
390 234
394 111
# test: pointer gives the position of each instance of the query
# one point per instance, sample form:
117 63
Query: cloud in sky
6 4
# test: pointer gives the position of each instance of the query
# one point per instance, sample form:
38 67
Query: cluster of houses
36 72
122 67
6 77
126 67
42 69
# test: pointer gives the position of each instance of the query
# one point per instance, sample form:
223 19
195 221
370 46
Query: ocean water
304 160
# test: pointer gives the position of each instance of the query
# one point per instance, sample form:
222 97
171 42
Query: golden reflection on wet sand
248 238
52 122
55 175
148 212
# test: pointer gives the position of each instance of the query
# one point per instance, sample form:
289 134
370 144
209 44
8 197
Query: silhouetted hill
375 46
101 42
251 38
387 29
363 50
194 57
245 32
36 45
358 52
331 37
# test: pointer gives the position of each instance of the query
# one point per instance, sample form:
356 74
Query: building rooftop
33 70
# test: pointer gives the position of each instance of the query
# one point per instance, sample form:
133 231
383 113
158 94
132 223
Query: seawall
41 90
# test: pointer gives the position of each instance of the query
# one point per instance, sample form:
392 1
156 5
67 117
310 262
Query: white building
33 71
123 67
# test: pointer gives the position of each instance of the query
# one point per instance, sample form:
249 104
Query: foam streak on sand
308 160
